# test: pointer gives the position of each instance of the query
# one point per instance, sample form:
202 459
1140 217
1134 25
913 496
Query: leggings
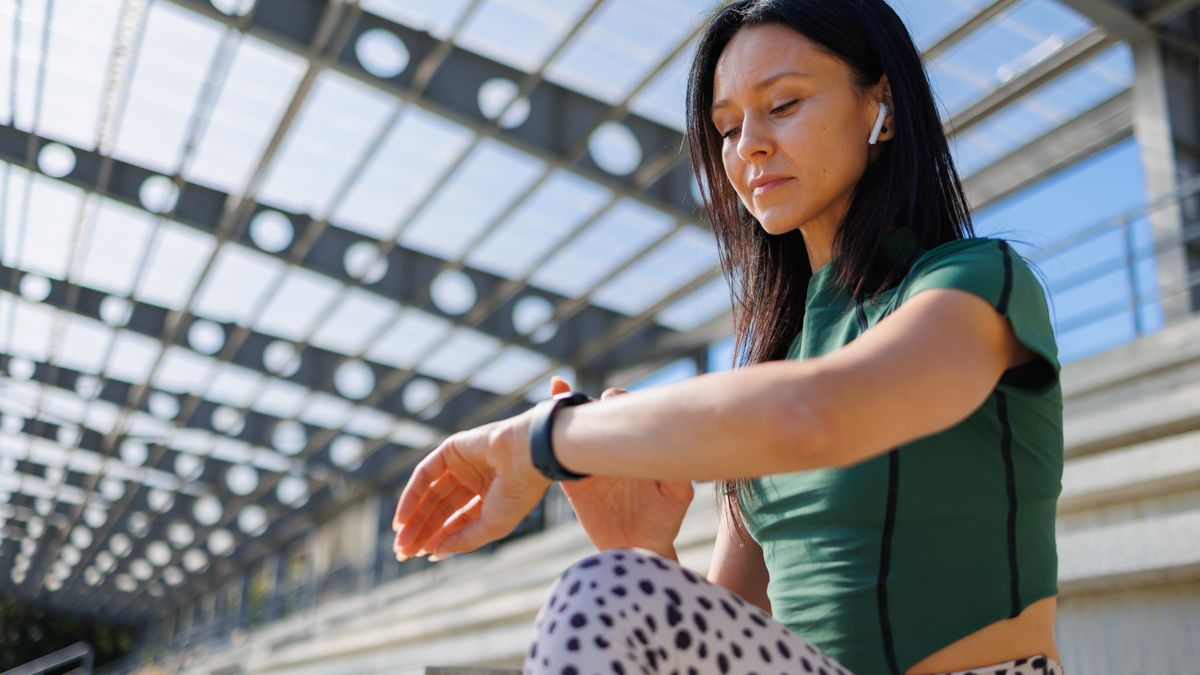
630 612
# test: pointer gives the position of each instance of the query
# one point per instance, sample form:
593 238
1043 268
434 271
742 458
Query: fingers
454 536
422 477
558 386
445 497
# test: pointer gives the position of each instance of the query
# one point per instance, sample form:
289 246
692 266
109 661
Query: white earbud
883 109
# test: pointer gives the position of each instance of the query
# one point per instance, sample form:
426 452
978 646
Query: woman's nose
754 142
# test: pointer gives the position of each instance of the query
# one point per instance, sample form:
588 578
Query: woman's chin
776 228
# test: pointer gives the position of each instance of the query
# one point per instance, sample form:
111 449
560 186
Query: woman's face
794 127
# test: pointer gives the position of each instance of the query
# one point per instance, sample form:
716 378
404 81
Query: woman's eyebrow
763 84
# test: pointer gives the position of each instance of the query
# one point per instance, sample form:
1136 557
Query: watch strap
540 447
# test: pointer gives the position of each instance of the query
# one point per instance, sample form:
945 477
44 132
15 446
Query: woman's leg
629 611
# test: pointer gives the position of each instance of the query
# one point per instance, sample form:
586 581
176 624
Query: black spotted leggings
631 612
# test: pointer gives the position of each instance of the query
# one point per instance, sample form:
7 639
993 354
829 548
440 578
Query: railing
79 652
1134 261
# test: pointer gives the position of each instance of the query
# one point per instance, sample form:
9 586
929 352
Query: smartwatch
540 448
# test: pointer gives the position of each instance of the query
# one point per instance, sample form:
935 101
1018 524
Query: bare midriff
1029 634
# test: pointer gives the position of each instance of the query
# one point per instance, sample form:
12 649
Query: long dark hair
912 183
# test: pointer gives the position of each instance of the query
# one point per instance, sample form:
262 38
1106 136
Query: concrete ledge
1155 468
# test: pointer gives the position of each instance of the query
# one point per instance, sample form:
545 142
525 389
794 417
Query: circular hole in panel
126 584
18 576
253 520
233 7
88 386
120 544
544 334
188 467
495 94
381 52
363 262
194 560
173 576
180 534
70 555
281 358
241 479
35 528
291 490
206 337
158 194
68 437
140 569
271 231
207 510
354 380
81 536
133 453
228 420
54 475
419 393
21 369
158 553
289 437
530 313
155 589
453 292
345 450
34 288
160 500
95 517
139 524
53 584
56 159
112 489
11 424
106 561
42 506
92 577
220 542
615 149
115 311
163 405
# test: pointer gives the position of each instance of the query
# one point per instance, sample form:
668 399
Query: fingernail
440 556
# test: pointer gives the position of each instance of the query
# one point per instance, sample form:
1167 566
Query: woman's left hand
474 488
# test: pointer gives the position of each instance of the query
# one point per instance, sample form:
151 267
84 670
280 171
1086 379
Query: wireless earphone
883 109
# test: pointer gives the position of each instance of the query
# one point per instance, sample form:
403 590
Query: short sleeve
992 270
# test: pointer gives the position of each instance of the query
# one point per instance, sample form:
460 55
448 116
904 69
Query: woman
891 451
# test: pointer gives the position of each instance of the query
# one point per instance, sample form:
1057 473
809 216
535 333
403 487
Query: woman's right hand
619 512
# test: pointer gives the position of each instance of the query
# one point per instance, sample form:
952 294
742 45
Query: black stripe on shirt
885 545
1010 477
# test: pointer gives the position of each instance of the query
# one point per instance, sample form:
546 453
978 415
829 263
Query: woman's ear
882 93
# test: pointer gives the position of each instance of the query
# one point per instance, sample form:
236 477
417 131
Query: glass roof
232 278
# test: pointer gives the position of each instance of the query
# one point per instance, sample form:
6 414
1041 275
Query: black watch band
540 448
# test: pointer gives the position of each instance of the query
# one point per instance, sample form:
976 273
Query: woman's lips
769 185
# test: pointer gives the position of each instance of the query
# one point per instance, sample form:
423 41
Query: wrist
544 417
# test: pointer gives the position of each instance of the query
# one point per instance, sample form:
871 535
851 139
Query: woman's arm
738 565
921 370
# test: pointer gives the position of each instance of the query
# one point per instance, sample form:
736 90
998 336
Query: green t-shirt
882 563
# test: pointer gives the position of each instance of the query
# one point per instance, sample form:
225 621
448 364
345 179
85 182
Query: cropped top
882 563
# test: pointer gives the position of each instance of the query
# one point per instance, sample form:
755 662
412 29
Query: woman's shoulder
981 257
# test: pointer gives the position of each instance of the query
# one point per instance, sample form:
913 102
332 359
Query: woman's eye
729 134
785 106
